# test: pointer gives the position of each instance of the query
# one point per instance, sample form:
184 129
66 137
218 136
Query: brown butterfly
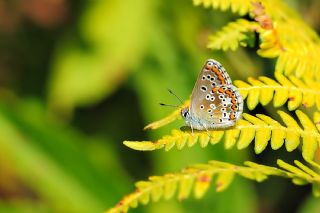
215 101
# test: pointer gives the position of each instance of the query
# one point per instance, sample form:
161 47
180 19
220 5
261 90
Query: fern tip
140 145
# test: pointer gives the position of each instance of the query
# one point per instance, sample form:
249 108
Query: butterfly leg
209 135
191 129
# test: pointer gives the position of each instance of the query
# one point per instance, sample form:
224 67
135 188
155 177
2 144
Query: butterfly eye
185 112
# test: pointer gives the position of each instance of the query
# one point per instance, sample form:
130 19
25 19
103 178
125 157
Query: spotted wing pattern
215 102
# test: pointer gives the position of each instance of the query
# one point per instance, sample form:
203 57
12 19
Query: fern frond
299 57
232 35
262 128
316 120
263 90
237 6
294 43
197 179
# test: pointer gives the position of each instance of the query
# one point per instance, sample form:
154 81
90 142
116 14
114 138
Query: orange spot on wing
232 117
228 92
219 75
234 107
221 90
215 70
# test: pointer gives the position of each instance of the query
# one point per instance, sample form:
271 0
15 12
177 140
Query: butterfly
215 102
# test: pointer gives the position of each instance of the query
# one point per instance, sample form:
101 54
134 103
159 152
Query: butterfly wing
215 102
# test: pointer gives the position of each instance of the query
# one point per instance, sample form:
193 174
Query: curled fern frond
263 90
232 35
197 179
261 128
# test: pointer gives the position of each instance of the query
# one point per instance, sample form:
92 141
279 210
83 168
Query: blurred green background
79 77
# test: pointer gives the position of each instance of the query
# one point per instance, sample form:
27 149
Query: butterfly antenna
168 105
172 93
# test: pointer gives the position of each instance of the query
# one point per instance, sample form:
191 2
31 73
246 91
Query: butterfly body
215 102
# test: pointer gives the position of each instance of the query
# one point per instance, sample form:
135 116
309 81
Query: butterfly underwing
215 102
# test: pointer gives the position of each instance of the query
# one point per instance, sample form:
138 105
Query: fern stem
303 90
196 173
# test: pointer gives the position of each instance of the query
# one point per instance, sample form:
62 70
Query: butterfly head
185 113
